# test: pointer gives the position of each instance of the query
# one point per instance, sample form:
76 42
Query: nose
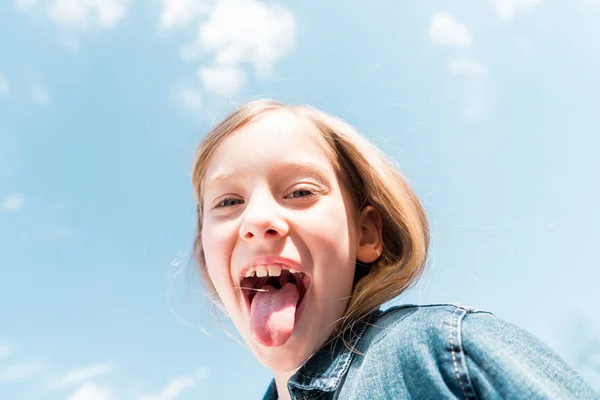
263 220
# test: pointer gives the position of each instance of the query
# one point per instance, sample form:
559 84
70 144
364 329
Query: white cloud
70 42
507 9
235 34
223 80
5 350
12 202
177 385
18 372
190 99
248 31
179 13
80 15
466 66
477 99
4 85
25 4
81 375
83 14
40 95
476 94
90 391
445 30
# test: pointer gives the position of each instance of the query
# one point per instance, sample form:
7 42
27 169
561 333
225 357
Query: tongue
273 313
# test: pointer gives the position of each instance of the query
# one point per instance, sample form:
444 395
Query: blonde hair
369 177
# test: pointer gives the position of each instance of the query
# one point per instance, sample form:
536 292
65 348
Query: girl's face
273 206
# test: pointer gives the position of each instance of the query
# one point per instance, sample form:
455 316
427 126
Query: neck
281 380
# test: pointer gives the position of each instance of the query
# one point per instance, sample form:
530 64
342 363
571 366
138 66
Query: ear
369 235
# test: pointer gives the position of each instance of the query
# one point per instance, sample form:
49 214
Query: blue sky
488 107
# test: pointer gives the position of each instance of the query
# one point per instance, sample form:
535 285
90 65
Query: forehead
275 138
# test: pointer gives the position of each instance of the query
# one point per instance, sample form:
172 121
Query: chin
287 357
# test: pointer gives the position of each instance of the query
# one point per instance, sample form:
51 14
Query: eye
228 202
302 193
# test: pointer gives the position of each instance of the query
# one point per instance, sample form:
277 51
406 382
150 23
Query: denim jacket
436 352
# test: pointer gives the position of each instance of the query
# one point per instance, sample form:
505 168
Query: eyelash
312 193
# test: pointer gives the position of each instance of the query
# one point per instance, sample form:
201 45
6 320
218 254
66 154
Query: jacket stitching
333 370
336 372
306 397
455 313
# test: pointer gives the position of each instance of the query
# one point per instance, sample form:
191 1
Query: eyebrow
308 169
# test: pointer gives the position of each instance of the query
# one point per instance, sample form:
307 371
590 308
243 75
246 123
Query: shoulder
473 352
426 323
436 330
419 346
450 332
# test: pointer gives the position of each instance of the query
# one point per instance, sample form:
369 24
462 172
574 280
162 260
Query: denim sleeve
504 361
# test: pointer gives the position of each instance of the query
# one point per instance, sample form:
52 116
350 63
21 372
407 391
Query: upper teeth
264 270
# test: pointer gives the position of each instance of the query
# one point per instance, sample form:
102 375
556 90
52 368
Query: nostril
270 233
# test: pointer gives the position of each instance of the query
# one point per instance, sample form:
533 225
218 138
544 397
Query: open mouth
251 285
275 298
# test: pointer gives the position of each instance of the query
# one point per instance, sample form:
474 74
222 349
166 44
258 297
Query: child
304 230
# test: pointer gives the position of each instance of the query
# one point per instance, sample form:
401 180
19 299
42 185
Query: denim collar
327 368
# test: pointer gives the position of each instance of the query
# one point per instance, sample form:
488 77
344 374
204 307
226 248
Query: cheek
332 241
217 244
